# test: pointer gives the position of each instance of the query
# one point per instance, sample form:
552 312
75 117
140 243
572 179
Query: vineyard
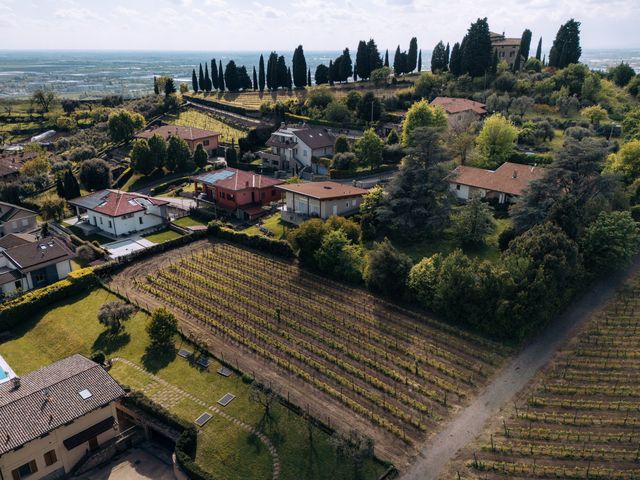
194 118
581 419
400 371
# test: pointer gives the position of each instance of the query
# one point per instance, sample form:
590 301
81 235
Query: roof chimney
16 383
515 174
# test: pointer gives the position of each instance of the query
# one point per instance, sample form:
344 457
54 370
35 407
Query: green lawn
188 221
224 449
95 237
490 251
272 222
162 236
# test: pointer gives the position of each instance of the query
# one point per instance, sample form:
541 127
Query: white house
121 213
294 148
27 262
504 184
319 200
51 418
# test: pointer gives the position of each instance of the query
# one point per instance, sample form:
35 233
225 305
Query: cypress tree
438 58
419 61
331 73
447 55
299 64
214 75
70 185
346 66
261 77
355 73
494 63
539 50
272 71
412 55
566 46
386 57
194 81
207 79
60 187
455 60
397 62
289 79
231 77
375 60
220 77
477 50
201 83
283 75
156 90
255 79
309 76
362 60
322 74
525 44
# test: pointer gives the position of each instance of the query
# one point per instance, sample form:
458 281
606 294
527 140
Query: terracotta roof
511 178
50 397
33 255
8 211
506 42
315 137
323 190
115 203
235 180
186 133
11 162
457 105
15 239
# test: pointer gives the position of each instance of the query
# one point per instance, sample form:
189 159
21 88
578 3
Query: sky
235 25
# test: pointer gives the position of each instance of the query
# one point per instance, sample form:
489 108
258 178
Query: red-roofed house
461 112
504 184
192 135
240 192
121 213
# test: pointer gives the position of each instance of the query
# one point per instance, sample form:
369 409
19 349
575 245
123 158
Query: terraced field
197 119
400 372
581 419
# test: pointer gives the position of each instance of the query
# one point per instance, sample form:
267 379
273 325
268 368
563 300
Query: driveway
136 464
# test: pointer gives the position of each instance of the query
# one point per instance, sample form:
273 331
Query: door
93 443
335 210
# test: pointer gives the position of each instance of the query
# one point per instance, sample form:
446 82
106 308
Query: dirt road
511 379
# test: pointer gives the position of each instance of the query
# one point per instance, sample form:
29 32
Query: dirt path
511 379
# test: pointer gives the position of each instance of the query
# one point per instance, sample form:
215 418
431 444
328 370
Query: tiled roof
457 105
8 211
50 397
506 42
30 255
11 162
15 239
323 190
115 203
315 137
511 178
186 133
234 179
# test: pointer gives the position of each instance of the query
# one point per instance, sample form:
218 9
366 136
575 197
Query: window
25 222
100 220
109 223
38 277
511 54
230 196
457 186
205 142
50 458
304 153
140 219
25 470
14 225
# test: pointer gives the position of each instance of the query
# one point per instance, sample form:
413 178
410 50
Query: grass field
225 449
163 236
272 222
198 119
580 418
401 371
189 221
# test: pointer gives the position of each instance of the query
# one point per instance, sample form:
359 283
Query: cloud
76 14
215 3
127 12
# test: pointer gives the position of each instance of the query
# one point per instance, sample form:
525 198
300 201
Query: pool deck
4 366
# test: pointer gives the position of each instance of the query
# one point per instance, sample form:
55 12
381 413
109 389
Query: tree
380 76
339 257
412 55
289 79
438 58
400 60
386 58
420 61
523 51
95 174
261 74
156 90
215 80
141 159
611 241
200 156
427 85
272 71
85 254
373 55
496 142
69 106
387 270
207 79
455 62
162 328
477 51
521 105
346 66
201 82
322 74
331 73
157 151
631 125
369 149
122 124
421 114
220 77
178 154
362 61
44 98
472 222
626 162
539 50
170 87
341 145
370 108
282 72
393 138
566 46
52 209
255 79
299 68
112 314
194 81
352 100
71 188
231 78
309 76
354 448
595 114
306 239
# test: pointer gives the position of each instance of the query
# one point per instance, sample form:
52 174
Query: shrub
99 357
112 314
387 269
339 257
344 161
392 154
85 254
276 247
610 241
162 327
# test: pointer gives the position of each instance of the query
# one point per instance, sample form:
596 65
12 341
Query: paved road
181 202
511 379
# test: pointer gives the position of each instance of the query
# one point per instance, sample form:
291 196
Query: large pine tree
194 81
477 50
412 55
261 75
566 46
214 75
299 64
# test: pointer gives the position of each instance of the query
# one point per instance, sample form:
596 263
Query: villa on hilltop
192 135
507 48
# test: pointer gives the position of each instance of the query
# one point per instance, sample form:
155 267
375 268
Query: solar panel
216 176
226 400
203 362
184 353
202 419
225 372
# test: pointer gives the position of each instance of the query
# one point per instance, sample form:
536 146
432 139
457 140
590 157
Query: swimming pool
6 373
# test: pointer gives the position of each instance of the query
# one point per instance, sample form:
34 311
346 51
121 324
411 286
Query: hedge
259 242
221 106
333 173
531 159
14 311
325 123
187 442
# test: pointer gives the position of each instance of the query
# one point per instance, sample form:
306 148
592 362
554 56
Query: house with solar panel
117 213
50 419
238 192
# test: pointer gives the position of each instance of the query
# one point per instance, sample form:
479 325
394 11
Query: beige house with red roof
119 213
507 48
319 200
193 136
504 184
461 112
